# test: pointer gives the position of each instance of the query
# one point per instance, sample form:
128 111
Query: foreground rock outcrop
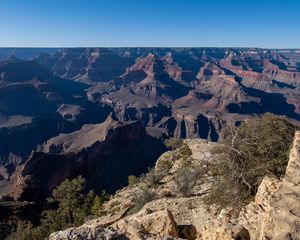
281 217
272 215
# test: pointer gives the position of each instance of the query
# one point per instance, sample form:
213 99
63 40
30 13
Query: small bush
164 167
185 180
165 193
173 143
185 153
141 197
132 180
152 178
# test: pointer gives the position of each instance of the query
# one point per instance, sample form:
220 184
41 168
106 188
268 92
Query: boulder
160 223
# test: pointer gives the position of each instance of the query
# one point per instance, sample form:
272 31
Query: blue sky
157 23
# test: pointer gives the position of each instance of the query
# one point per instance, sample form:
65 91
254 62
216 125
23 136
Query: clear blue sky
165 23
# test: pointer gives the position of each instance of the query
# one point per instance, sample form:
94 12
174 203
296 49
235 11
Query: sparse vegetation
23 231
133 180
141 197
68 207
164 167
185 153
185 181
98 201
173 143
258 147
152 178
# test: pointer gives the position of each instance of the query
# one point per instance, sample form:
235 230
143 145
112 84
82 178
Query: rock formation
96 152
183 92
273 214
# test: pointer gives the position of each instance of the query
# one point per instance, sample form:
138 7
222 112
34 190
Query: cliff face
273 215
96 151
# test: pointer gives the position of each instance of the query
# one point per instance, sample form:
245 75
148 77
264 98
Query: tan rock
106 221
227 231
160 223
252 215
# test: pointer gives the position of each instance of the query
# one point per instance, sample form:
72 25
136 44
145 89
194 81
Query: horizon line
182 47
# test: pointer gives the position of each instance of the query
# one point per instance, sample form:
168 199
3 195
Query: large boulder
159 223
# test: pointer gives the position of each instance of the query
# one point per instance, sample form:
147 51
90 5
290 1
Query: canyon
70 111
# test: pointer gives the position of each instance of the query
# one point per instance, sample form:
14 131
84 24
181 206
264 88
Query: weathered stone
187 231
87 233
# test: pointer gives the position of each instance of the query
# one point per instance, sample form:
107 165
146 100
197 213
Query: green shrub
152 178
185 180
96 206
164 167
141 197
185 153
173 143
133 180
72 208
258 147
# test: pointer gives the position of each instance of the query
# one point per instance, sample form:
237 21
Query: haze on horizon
139 23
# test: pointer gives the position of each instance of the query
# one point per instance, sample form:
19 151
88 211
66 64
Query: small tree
68 195
72 207
98 201
259 147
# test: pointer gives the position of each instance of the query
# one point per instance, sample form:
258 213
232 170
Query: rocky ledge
273 214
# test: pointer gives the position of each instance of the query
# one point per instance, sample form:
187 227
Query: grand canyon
104 113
